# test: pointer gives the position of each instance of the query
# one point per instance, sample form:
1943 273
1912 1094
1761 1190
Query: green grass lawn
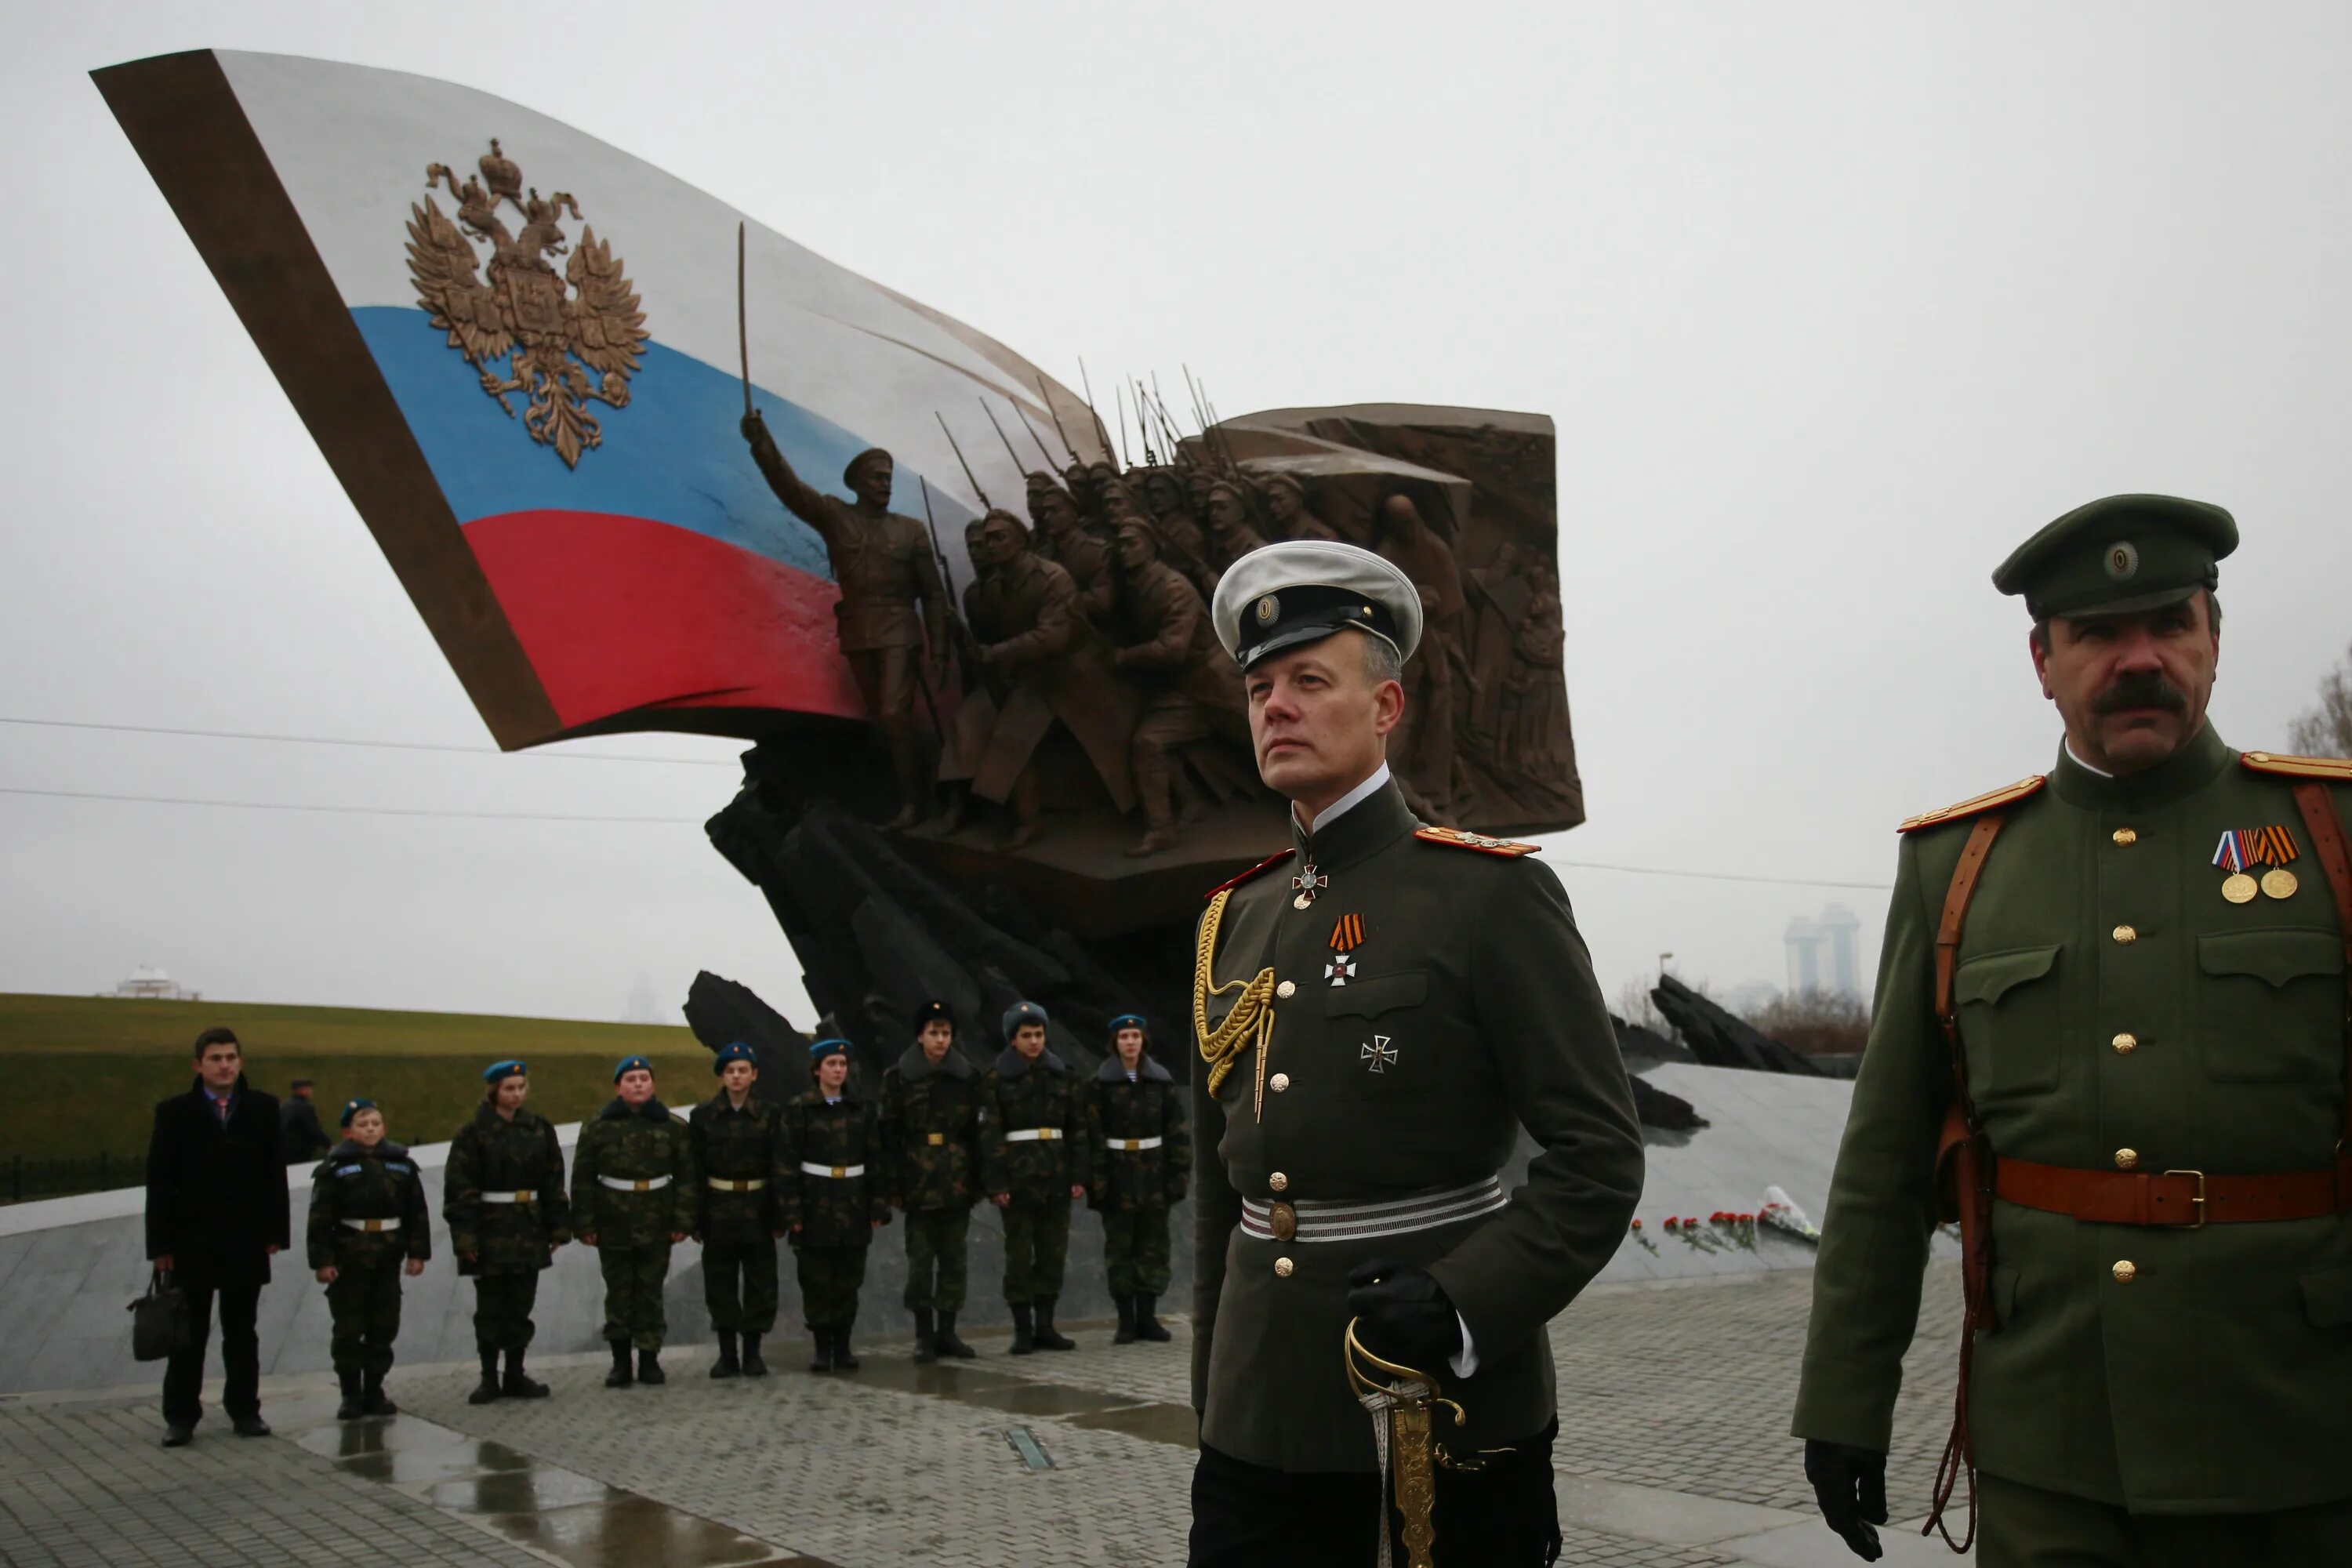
83 1073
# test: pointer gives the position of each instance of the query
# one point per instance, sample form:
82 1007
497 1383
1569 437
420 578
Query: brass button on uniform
1279 1082
2125 936
2126 837
2125 1271
1286 990
1282 1265
1278 1182
2125 1044
2127 1158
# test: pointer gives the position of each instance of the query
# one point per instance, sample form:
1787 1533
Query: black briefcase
159 1320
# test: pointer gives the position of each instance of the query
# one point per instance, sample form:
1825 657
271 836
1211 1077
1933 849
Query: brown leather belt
2186 1198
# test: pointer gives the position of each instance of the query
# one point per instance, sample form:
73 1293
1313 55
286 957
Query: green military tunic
502 1198
2116 1012
367 1219
736 1152
635 1177
930 1138
832 1193
1469 1011
1034 1147
1134 1187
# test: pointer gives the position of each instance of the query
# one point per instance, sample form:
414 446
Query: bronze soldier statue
1230 536
892 605
1423 747
1293 516
1061 537
1196 689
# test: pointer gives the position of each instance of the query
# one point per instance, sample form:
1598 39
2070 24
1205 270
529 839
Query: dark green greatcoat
2219 1378
1475 996
379 1184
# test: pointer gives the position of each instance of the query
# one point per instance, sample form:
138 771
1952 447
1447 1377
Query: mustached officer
502 1198
1034 1152
734 1135
931 1134
637 1183
368 1225
834 1196
1380 1012
1143 1157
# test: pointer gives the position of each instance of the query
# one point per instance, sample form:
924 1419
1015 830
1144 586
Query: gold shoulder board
1478 841
1268 863
2335 770
1978 805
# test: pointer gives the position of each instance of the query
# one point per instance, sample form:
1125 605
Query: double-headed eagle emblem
526 327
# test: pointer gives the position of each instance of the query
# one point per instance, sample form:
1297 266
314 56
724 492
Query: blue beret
821 1050
736 1052
1129 1021
353 1107
1021 1012
631 1064
505 1069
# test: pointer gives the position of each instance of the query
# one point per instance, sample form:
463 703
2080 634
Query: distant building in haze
1821 956
149 983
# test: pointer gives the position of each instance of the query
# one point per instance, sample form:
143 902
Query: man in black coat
297 1123
216 1212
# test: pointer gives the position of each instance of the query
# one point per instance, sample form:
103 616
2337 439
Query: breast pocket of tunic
2010 1022
2270 1005
1376 1047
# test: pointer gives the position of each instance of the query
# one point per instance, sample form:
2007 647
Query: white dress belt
371 1227
625 1185
1033 1134
838 1173
521 1198
1327 1219
722 1184
1132 1144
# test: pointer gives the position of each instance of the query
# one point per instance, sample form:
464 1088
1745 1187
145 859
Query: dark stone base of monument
1719 1038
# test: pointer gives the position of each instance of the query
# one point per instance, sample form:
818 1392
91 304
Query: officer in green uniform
2140 958
368 1223
1141 1157
1381 1013
833 1196
734 1136
930 1134
502 1198
1033 1163
636 1177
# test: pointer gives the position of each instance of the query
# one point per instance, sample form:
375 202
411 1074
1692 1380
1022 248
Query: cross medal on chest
1308 882
1380 1056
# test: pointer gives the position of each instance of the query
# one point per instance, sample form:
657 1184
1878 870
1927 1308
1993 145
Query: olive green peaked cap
2118 554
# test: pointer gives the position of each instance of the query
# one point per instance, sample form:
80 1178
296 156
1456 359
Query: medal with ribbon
2241 849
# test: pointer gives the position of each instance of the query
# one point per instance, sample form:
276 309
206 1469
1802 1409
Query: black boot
354 1405
927 1337
1126 1335
1024 1336
843 1356
488 1389
821 1349
649 1368
1147 1320
520 1384
374 1398
949 1343
727 1366
752 1365
623 1374
1047 1338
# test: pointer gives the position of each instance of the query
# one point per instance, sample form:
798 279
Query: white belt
522 1197
1033 1134
1326 1219
721 1184
622 1184
1132 1144
838 1173
370 1226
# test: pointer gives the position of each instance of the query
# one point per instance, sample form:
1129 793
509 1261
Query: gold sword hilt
1413 1451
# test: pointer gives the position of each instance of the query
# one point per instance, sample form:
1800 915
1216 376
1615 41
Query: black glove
1850 1486
1407 1317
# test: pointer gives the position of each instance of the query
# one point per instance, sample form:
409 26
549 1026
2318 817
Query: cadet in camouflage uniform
368 1221
635 1173
2140 961
834 1194
734 1135
1033 1163
1142 1156
502 1195
930 1135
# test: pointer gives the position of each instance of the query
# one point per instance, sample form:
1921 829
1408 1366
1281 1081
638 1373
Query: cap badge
1267 608
2123 560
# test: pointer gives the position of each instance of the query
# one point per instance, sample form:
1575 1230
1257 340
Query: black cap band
1291 617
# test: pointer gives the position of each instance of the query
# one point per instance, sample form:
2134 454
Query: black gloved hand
1407 1317
1850 1486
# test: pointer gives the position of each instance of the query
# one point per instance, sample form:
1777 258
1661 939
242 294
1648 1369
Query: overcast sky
1833 305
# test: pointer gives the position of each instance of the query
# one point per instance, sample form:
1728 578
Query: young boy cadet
367 1224
1033 1148
634 1175
734 1135
832 1196
502 1193
931 1134
1142 1158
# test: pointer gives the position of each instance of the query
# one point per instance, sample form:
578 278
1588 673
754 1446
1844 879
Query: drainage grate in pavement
1024 1442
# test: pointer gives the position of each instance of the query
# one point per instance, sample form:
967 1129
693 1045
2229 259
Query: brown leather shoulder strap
2334 857
1947 940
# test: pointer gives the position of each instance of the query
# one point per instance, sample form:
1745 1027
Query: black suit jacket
216 1194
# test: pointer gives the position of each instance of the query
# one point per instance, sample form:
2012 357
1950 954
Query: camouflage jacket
1121 1113
1019 1095
374 1184
635 1148
930 1132
831 1210
731 1145
491 1155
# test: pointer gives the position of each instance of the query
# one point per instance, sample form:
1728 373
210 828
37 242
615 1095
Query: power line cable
372 745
